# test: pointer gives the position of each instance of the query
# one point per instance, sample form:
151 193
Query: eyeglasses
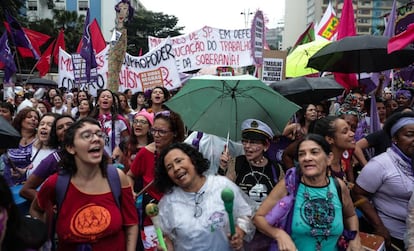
88 135
161 132
251 142
139 121
163 113
198 210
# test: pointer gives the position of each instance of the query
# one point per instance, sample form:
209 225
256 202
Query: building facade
102 10
369 16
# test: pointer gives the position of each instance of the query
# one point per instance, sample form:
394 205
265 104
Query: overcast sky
224 14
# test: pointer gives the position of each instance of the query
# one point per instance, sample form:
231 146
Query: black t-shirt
257 182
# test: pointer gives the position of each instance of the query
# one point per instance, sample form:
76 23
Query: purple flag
6 57
87 51
18 36
375 124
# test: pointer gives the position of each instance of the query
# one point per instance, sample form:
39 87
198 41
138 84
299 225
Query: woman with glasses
253 172
140 137
192 212
89 217
168 128
17 160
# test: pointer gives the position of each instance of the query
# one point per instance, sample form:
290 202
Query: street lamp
246 16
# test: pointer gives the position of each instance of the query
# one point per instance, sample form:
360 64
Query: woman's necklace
27 140
339 174
259 162
259 172
319 214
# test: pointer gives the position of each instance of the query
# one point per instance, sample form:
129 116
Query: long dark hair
67 162
162 181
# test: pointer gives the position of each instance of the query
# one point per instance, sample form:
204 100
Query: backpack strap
338 188
115 184
114 181
61 188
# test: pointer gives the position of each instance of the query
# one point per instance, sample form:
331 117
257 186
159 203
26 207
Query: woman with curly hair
138 101
168 128
193 199
159 95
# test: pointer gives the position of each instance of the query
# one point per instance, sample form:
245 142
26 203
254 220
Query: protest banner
156 68
210 46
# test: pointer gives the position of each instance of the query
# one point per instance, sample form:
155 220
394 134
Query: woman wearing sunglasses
168 128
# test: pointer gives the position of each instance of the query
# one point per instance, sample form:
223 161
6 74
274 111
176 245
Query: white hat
387 90
258 127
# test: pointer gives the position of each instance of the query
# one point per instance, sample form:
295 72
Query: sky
222 14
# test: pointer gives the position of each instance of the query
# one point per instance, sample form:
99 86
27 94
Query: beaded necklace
318 213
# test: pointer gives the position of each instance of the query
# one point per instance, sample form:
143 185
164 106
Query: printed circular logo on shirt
90 220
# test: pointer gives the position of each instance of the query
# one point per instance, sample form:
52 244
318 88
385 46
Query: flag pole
15 54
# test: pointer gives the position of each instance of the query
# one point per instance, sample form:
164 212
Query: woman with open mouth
17 160
94 212
40 148
159 95
49 164
112 123
168 128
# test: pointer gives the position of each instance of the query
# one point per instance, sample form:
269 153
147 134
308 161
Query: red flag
98 40
346 29
43 65
21 39
36 38
60 43
401 40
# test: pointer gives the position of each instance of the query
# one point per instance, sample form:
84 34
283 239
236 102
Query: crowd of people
88 166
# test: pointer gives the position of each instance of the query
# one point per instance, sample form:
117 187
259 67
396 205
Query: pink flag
346 29
401 40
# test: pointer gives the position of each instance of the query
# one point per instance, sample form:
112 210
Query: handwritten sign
210 46
156 68
274 66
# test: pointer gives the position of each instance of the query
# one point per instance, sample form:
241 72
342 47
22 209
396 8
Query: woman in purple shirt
49 165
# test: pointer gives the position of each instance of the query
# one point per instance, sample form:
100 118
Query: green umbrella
218 105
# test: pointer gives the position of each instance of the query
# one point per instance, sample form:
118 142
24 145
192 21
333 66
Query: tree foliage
10 6
148 23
